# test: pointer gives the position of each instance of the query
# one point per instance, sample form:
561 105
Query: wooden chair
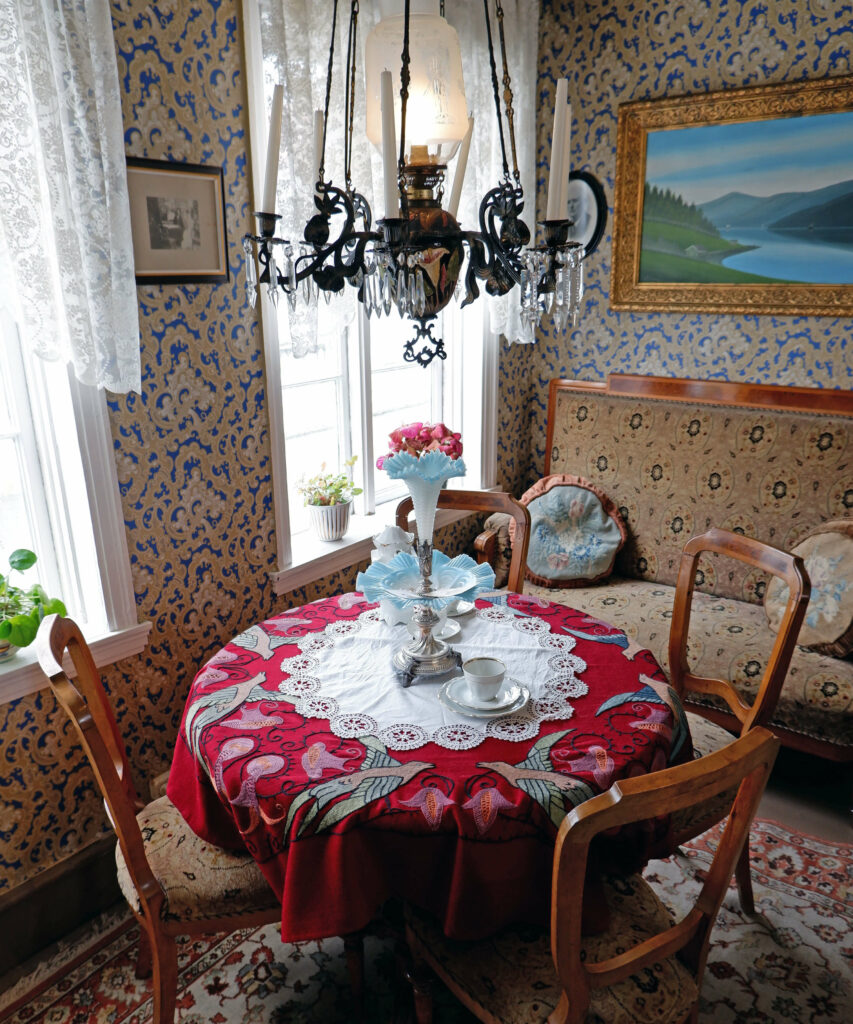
705 723
486 501
643 967
221 891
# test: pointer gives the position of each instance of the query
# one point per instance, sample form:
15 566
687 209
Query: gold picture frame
730 141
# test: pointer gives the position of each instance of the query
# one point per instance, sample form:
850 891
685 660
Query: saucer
454 696
447 631
462 608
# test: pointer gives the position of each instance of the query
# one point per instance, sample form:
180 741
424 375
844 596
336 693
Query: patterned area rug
792 963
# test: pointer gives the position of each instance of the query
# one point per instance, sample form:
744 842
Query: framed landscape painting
737 201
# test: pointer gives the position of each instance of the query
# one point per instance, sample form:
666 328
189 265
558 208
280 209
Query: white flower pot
330 522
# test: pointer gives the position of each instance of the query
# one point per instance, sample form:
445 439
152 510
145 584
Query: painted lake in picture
750 202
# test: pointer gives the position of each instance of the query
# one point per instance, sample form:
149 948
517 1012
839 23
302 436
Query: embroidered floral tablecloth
298 744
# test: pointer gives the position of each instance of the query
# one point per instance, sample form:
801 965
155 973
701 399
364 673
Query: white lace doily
344 673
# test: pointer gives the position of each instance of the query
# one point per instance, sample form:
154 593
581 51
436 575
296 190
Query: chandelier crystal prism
413 259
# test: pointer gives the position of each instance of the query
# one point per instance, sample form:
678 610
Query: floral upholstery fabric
677 468
728 639
200 880
499 522
512 975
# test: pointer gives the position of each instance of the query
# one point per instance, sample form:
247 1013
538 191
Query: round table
299 744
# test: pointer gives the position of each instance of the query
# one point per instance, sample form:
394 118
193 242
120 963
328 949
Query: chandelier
413 258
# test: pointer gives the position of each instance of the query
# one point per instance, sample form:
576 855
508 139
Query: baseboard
57 901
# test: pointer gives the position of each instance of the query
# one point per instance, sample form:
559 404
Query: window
344 400
56 451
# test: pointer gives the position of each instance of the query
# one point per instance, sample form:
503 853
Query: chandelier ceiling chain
413 259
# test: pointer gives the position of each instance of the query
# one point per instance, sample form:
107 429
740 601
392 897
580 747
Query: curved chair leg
165 956
143 955
743 877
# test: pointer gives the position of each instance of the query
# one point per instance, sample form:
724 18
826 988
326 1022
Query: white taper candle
389 145
318 144
567 163
555 173
459 175
273 146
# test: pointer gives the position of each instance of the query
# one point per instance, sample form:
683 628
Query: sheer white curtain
65 242
296 35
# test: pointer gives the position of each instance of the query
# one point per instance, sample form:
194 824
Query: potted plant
329 498
21 610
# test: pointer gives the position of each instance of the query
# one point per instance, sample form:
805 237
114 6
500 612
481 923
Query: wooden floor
811 795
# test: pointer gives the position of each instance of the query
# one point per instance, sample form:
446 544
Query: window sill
21 675
318 558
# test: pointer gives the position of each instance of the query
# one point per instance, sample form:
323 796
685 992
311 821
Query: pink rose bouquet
419 438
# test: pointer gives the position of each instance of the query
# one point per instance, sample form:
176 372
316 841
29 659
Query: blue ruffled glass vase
424 478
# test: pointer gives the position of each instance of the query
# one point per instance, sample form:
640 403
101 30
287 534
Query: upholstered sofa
680 456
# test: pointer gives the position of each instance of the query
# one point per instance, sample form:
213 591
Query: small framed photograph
587 210
177 215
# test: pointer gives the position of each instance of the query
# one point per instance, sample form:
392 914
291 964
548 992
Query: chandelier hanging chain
322 167
496 89
404 99
507 83
349 100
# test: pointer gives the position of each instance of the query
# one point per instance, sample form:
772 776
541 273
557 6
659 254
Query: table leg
354 953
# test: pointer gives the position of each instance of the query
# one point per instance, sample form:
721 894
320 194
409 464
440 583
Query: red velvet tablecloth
338 825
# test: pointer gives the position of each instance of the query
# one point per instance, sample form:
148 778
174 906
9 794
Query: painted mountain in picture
750 202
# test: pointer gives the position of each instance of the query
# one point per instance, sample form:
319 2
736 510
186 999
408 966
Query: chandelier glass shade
417 257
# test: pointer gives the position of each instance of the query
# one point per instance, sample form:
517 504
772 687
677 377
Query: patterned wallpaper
192 453
193 450
615 52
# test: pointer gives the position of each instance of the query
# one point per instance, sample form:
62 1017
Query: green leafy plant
21 610
329 488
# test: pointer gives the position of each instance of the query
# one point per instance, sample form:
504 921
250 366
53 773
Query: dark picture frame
177 214
587 210
738 201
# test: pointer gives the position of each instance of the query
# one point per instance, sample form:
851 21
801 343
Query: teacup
484 677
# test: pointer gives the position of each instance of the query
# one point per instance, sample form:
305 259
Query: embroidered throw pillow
575 532
828 625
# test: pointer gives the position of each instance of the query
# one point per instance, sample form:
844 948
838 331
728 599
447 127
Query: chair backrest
85 702
745 763
486 501
787 567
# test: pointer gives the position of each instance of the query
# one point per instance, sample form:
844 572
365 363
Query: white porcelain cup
484 677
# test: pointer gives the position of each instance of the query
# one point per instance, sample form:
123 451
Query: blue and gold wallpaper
193 450
616 52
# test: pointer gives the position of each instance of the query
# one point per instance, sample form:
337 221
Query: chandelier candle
273 146
567 164
318 144
389 146
556 177
461 165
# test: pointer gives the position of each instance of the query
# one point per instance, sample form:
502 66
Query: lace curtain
295 38
66 254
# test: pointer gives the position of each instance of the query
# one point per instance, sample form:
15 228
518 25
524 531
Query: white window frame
125 636
479 366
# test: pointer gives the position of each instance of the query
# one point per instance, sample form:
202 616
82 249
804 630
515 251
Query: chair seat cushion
512 975
708 737
729 639
201 881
